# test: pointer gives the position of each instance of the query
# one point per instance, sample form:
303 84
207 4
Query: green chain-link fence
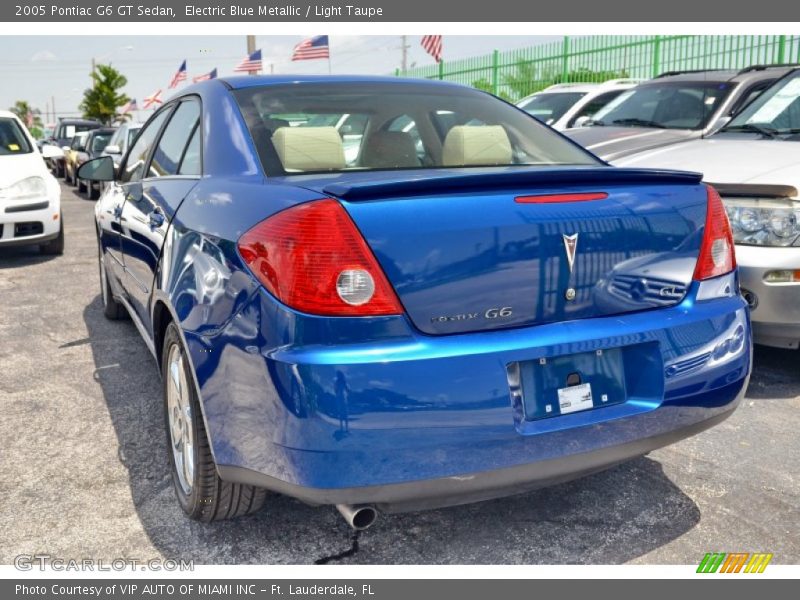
517 73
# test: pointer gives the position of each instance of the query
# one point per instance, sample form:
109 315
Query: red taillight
313 259
556 198
717 255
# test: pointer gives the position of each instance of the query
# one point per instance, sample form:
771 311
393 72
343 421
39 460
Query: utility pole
251 47
53 106
404 53
93 67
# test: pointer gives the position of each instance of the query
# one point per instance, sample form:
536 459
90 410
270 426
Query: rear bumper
776 306
418 421
474 487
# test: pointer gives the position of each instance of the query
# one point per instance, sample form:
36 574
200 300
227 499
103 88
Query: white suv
567 105
30 197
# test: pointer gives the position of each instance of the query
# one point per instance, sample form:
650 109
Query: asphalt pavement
84 462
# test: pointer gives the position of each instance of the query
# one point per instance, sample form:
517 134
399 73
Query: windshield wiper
639 122
765 130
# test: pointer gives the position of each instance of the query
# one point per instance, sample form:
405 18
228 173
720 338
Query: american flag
210 75
152 100
432 44
312 48
130 106
179 76
252 62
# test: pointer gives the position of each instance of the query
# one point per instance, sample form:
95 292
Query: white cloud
43 56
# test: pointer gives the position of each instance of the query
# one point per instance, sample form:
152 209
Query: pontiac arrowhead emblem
570 245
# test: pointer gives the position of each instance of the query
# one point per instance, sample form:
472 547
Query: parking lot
85 474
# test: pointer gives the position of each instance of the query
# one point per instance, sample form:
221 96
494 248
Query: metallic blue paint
336 403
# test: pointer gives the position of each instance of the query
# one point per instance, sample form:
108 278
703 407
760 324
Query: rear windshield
667 105
308 128
551 106
12 138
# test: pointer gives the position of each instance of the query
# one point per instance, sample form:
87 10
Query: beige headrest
309 148
476 145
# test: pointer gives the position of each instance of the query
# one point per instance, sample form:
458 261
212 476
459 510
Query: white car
567 105
754 162
30 197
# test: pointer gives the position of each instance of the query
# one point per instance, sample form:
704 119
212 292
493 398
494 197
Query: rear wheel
112 309
201 493
81 186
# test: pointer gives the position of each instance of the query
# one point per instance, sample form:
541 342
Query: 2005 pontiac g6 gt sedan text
463 305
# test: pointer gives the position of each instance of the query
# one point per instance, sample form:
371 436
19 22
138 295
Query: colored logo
734 562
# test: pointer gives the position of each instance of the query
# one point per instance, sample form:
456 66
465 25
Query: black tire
93 193
112 309
209 497
56 245
81 186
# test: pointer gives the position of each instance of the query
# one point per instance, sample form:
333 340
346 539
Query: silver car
672 108
754 162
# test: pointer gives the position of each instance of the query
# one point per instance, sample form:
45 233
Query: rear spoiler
418 182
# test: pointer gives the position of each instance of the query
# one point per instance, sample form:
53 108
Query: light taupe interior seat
467 145
309 148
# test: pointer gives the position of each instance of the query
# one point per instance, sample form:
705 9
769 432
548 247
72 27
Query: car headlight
30 187
764 221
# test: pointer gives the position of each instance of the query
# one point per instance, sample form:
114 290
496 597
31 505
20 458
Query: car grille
656 291
688 365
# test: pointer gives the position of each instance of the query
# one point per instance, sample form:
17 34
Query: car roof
7 114
247 81
754 72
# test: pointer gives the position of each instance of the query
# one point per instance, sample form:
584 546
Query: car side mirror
97 169
582 121
50 151
113 149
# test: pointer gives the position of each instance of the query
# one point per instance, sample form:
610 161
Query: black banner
388 589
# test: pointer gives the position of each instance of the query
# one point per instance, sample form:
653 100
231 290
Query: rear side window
12 138
137 157
191 163
173 145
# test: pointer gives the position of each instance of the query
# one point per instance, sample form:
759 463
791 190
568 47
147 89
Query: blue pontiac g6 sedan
392 295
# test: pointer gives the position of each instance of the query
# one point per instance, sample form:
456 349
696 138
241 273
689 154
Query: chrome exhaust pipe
358 516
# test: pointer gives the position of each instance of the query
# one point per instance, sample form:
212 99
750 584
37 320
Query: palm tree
32 117
101 101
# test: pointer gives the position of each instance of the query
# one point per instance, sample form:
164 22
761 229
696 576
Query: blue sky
36 68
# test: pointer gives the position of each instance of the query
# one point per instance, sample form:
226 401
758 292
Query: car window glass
99 142
172 144
132 135
592 106
191 163
12 139
134 164
670 105
549 107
